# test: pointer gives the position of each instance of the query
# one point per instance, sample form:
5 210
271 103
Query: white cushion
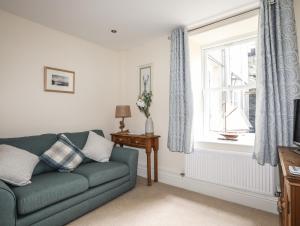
97 148
16 165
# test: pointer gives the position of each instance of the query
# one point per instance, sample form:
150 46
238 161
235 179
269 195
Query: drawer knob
281 205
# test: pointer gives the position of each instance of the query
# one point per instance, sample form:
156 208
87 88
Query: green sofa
56 198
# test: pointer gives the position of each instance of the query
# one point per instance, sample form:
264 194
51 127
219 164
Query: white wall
26 47
157 53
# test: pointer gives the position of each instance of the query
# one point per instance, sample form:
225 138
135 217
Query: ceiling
137 21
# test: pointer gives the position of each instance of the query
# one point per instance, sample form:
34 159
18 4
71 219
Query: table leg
148 152
155 149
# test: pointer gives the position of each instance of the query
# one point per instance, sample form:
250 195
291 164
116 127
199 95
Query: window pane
230 77
236 106
240 110
252 109
216 110
215 68
242 61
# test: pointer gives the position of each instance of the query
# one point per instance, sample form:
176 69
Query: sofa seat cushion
99 173
47 189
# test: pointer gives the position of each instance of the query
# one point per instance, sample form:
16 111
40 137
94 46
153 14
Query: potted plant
143 103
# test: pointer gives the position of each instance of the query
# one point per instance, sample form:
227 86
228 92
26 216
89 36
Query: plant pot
149 128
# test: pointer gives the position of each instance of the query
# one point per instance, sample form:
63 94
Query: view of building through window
223 59
230 86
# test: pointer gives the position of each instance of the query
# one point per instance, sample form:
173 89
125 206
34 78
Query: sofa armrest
128 156
7 206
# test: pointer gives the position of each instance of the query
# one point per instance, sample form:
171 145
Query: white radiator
232 169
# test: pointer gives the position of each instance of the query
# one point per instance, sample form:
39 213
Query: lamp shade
123 111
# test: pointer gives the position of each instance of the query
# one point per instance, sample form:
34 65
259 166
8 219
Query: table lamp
123 111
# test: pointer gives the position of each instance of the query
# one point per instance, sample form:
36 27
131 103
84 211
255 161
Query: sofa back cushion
36 145
41 143
80 138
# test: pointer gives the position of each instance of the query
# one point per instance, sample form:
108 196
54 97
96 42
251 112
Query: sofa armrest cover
7 206
128 156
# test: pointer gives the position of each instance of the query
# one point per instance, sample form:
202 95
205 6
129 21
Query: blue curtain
181 102
277 79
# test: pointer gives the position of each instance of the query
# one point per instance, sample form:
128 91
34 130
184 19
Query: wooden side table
289 200
141 141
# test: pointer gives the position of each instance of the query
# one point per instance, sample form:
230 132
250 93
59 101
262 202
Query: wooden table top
289 158
135 135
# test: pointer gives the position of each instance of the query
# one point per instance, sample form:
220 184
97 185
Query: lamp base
123 131
122 126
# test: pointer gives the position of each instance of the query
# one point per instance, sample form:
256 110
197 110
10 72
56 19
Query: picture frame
59 80
145 78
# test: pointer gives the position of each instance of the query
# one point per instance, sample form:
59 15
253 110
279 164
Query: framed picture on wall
145 73
59 80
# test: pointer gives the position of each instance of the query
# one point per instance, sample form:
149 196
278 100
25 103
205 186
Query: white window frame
247 139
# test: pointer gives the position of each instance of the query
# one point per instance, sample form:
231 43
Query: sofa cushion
97 148
63 155
36 145
80 138
16 165
100 173
47 189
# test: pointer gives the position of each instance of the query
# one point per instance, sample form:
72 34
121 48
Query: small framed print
59 80
145 73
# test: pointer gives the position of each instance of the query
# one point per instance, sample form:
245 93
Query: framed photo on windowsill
59 80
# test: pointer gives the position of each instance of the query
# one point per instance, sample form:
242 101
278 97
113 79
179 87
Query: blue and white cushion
63 155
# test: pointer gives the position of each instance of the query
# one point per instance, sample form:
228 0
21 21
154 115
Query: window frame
207 135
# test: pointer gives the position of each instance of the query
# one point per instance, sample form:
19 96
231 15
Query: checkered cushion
63 155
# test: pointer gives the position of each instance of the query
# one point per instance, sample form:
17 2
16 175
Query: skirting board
257 201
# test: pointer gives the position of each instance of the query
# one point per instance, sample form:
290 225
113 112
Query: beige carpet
164 205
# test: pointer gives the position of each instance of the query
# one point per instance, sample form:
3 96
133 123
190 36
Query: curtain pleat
277 79
180 100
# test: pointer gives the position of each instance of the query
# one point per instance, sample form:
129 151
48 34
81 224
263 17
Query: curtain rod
223 19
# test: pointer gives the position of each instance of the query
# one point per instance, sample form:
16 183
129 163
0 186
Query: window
223 65
230 87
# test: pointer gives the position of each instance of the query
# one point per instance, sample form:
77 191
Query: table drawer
121 140
137 141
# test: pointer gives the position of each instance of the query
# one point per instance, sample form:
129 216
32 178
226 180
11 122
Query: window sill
245 143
